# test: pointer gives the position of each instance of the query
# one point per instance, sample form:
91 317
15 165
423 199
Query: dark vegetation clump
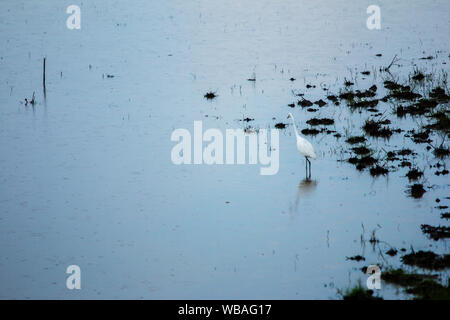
427 260
443 172
360 294
445 215
320 103
404 152
355 139
414 174
370 93
423 106
418 76
347 96
403 278
332 98
439 94
441 123
436 233
210 95
399 92
390 85
364 103
311 132
405 164
378 170
318 121
426 104
392 156
431 290
441 152
361 150
304 103
416 190
421 137
422 286
363 162
374 128
280 125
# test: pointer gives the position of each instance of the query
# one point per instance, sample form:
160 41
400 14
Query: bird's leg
306 167
309 169
308 163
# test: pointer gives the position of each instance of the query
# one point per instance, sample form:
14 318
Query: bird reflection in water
305 188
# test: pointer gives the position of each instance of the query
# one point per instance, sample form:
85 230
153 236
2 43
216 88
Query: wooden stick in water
43 75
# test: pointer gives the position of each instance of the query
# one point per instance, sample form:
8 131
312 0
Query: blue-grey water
86 176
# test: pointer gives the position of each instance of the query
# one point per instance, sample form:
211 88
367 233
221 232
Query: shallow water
86 175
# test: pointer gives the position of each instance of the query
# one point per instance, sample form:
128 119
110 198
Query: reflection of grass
358 292
422 286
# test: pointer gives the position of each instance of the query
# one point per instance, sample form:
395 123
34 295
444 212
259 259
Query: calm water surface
86 175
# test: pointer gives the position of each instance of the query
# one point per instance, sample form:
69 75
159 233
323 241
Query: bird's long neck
295 127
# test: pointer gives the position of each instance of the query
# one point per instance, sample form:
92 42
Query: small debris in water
357 258
443 172
392 252
348 83
210 95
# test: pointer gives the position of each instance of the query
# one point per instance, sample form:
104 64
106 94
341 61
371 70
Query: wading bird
304 147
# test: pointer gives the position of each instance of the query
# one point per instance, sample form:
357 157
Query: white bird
304 147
